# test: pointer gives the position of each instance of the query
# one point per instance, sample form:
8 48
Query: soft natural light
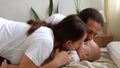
118 5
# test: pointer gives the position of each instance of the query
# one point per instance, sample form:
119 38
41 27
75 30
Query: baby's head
89 51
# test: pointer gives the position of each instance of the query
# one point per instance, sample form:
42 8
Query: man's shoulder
55 18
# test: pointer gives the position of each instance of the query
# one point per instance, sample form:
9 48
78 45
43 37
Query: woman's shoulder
44 29
43 33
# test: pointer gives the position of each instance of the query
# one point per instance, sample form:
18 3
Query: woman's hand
4 64
63 57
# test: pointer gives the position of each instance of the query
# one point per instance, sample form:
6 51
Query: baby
88 51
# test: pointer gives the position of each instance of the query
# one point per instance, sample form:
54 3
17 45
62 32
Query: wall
19 10
113 18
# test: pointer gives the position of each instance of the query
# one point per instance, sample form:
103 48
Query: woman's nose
90 36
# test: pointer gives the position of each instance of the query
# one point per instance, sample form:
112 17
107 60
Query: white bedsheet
114 51
104 62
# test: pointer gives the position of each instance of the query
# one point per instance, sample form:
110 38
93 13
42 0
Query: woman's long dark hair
35 25
70 28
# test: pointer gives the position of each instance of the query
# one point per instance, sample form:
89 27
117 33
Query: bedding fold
114 51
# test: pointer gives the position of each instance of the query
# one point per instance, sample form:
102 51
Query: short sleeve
55 18
40 45
39 51
75 57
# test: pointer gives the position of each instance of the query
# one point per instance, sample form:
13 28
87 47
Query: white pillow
114 51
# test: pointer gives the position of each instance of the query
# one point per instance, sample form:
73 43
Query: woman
32 45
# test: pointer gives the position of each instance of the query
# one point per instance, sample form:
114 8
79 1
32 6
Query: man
91 17
93 20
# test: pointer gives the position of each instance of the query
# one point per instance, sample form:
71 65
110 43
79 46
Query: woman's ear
68 43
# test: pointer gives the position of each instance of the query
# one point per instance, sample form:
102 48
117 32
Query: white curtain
112 11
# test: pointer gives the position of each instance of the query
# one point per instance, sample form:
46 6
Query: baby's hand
4 64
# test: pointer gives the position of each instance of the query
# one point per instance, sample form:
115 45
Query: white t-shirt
75 57
14 42
56 18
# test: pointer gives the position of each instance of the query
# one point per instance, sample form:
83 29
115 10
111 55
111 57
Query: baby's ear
86 55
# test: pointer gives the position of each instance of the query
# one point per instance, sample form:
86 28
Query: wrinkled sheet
104 62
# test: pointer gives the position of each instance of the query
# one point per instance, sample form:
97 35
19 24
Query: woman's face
69 45
93 28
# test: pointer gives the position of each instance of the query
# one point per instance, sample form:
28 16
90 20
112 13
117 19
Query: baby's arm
75 57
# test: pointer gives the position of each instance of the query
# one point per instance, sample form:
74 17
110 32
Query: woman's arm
61 58
5 65
26 63
13 66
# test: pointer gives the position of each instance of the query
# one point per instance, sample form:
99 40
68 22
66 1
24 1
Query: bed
110 58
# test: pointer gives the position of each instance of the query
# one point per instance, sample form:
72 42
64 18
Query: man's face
93 28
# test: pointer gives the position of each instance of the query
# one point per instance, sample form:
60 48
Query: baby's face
82 51
86 51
